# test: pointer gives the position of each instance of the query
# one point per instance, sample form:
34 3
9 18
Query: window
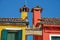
54 37
11 34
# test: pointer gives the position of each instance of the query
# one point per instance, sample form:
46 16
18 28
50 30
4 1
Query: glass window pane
55 38
11 36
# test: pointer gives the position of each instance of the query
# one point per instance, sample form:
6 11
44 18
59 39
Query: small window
54 37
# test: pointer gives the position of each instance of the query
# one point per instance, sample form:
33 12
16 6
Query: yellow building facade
12 27
5 27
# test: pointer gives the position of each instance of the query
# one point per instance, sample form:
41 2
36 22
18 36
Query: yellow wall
22 27
24 15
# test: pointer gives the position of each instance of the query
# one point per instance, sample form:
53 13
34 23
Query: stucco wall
36 16
48 31
22 27
24 15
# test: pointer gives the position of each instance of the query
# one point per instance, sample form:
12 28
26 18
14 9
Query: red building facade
50 26
51 29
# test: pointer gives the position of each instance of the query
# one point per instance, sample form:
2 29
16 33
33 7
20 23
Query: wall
9 26
36 16
37 37
24 15
50 30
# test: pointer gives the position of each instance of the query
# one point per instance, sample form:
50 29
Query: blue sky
10 8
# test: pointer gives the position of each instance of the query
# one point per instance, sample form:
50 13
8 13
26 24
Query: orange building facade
51 32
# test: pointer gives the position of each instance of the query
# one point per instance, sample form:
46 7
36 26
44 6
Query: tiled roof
12 21
51 21
21 21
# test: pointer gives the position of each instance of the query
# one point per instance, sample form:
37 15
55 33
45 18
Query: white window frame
13 28
53 35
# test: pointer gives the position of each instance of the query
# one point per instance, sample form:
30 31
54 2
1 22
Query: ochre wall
51 30
24 15
9 26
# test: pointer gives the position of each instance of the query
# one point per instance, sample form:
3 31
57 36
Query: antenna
25 2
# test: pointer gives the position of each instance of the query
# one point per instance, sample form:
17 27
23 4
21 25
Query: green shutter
19 34
4 34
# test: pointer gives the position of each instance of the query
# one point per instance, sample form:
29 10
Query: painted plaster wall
48 31
37 37
24 15
36 16
9 26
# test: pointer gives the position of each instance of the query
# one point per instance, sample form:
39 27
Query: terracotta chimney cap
24 9
37 8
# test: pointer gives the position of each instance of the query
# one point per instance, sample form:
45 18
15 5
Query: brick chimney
36 14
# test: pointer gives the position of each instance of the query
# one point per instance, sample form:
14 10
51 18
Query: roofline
51 25
12 21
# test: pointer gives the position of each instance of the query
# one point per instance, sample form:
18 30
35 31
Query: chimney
24 12
36 14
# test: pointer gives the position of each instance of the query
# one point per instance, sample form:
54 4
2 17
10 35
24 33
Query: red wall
37 37
50 30
36 16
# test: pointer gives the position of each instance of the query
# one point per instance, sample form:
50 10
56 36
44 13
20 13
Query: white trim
13 29
53 35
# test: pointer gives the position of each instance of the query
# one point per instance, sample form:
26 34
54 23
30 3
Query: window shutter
4 34
19 34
